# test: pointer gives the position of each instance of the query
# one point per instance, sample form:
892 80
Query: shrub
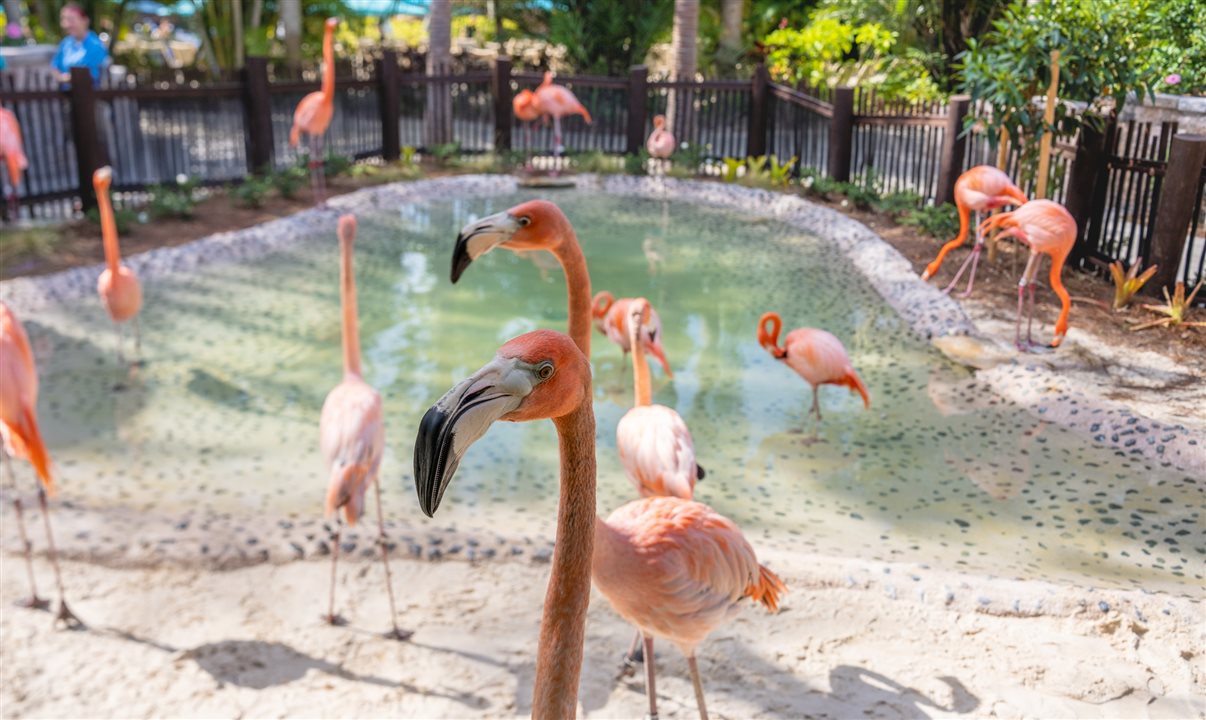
898 203
173 201
335 165
252 191
288 181
124 218
637 164
443 154
408 154
941 222
687 158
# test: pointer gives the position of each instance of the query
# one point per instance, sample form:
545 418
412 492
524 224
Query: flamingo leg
634 655
650 683
973 259
397 633
1030 316
121 340
699 693
64 615
1017 325
33 601
331 618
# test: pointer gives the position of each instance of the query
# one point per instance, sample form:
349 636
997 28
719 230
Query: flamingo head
332 23
548 78
102 179
533 225
346 230
536 376
659 122
645 332
769 327
601 304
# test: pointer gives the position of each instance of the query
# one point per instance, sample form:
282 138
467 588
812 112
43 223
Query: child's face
72 22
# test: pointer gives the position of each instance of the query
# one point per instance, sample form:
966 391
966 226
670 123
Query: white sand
852 640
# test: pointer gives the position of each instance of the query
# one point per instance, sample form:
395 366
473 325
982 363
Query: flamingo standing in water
673 567
815 355
527 109
22 439
352 433
660 143
313 113
611 318
118 285
1045 227
12 152
978 190
557 101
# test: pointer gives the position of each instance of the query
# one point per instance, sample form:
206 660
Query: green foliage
17 243
443 154
173 201
124 218
941 222
687 158
898 203
252 191
780 173
607 37
335 165
1179 33
408 155
595 161
818 185
636 164
732 168
288 181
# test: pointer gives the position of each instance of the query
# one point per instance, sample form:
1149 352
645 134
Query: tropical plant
1179 56
445 152
288 181
173 201
637 163
898 203
780 173
1127 284
939 221
408 155
252 191
1175 309
732 168
608 37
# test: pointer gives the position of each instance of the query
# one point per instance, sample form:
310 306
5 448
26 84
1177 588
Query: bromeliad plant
1128 284
1175 309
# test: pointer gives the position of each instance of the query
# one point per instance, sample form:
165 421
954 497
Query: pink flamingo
673 567
12 151
314 112
527 109
815 355
611 318
1045 227
352 433
660 143
118 285
978 190
23 440
557 101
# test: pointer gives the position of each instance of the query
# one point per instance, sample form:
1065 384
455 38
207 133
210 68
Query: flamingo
660 143
313 113
815 355
22 439
352 433
611 318
557 101
673 567
978 190
118 285
1045 227
527 109
12 152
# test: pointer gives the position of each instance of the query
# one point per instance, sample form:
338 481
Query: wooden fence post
257 106
638 107
841 134
1175 207
1048 137
500 87
1090 168
954 145
387 103
84 133
759 109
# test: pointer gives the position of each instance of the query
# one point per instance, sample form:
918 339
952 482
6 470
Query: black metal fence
218 132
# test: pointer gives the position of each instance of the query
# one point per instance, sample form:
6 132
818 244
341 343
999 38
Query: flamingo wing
657 451
352 439
306 116
19 397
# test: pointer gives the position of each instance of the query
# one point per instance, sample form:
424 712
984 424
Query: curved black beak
480 237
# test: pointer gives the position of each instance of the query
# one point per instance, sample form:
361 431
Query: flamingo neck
347 296
563 626
577 286
109 232
642 384
1057 284
328 66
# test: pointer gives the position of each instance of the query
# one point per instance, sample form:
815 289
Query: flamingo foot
334 619
68 619
398 634
33 602
629 662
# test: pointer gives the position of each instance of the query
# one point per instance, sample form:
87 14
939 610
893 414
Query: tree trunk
439 61
686 30
731 16
291 17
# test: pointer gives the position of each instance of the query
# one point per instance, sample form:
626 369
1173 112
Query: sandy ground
853 640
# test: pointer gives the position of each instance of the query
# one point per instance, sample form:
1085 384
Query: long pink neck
577 286
642 384
108 231
347 296
563 627
328 66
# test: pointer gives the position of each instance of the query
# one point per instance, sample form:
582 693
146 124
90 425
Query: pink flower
1173 79
783 24
13 30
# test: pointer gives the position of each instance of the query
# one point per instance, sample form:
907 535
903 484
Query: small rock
542 555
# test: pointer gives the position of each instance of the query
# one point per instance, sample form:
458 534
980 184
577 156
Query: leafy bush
607 37
124 218
732 168
941 222
408 154
898 203
443 154
818 185
335 165
1179 57
252 191
288 181
173 201
687 159
637 164
593 161
780 173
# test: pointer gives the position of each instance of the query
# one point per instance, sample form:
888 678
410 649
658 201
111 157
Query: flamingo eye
545 370
525 221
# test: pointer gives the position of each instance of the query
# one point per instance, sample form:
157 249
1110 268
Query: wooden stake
1044 168
1002 161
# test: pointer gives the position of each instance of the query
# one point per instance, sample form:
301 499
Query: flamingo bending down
12 152
660 143
611 318
352 432
313 113
557 101
815 355
1045 227
978 190
673 567
118 285
527 109
22 439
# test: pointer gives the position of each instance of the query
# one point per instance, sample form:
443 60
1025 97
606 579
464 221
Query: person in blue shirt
80 46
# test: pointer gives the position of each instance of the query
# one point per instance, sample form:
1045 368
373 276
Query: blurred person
80 46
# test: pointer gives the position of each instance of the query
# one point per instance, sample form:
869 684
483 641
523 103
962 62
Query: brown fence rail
219 131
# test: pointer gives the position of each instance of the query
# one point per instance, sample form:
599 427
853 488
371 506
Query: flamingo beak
655 349
461 418
480 237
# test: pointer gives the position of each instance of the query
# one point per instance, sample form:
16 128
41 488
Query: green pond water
224 415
